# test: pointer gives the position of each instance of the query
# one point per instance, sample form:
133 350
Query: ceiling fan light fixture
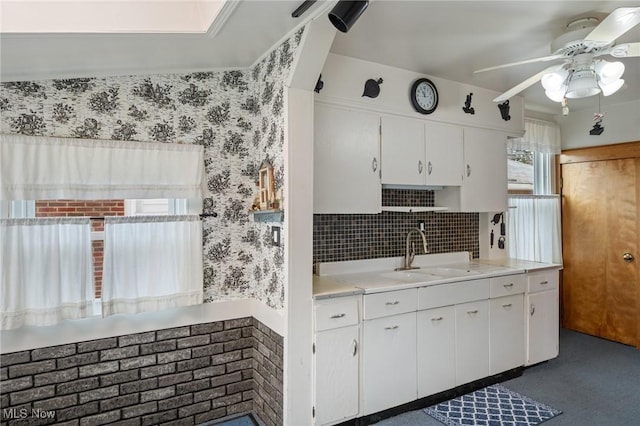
583 83
553 81
609 72
611 88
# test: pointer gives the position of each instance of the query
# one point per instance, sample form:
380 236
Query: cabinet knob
507 305
374 164
391 327
429 168
419 167
468 170
475 311
395 302
508 285
544 282
336 316
532 309
355 347
437 319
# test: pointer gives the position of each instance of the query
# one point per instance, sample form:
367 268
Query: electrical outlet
275 235
422 225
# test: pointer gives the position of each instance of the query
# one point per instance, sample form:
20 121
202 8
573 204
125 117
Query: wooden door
600 224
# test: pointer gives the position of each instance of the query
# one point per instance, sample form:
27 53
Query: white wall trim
72 331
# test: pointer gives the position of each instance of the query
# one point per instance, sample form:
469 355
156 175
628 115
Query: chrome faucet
411 250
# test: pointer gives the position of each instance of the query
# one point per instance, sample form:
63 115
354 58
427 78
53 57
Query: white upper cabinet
403 151
444 154
346 164
419 153
484 182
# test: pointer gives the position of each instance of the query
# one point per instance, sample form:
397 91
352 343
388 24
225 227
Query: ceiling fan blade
528 82
528 61
626 50
613 26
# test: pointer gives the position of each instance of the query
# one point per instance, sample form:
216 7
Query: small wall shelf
267 215
413 209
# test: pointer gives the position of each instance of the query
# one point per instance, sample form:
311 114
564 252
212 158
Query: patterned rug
494 405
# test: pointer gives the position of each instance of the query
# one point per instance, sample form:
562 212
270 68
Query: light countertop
364 277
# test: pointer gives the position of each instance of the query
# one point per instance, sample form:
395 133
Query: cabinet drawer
507 285
452 293
389 303
334 313
543 280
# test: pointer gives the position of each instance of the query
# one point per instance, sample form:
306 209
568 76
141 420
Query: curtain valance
539 136
47 168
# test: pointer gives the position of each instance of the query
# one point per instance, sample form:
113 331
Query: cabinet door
472 341
507 333
484 186
444 154
436 350
336 373
346 164
403 151
389 362
542 326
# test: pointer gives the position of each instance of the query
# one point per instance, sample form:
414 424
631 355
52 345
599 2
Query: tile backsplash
339 237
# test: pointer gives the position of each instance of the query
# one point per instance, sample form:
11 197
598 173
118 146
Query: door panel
600 224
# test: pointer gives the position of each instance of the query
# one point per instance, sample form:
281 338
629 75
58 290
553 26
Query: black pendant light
346 13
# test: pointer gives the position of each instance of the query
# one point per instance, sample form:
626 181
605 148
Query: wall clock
424 96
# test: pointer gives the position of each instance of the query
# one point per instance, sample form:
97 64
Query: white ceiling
447 39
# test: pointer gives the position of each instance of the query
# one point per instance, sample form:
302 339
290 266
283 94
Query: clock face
424 96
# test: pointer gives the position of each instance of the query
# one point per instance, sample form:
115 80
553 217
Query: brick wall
90 208
187 375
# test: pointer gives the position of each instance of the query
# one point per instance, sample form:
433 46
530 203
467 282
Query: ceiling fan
582 73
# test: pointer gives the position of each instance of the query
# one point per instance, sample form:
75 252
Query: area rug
494 405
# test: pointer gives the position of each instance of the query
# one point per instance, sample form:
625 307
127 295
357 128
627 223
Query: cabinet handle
391 327
437 319
336 316
507 305
508 285
419 167
429 168
475 311
374 164
395 302
544 282
355 347
532 309
468 170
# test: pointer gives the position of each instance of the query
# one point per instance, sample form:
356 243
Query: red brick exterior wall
91 208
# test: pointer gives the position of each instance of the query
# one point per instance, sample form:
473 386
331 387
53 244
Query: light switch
275 235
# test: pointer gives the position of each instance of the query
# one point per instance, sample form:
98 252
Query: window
530 172
150 260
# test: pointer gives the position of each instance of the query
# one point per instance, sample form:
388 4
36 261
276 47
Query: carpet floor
593 381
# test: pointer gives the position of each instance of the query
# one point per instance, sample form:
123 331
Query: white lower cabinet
506 333
542 317
472 341
389 362
436 350
337 359
337 375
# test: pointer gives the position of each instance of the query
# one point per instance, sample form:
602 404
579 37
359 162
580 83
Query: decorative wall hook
504 110
467 108
372 88
319 84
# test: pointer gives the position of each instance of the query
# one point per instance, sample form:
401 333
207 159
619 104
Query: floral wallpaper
237 115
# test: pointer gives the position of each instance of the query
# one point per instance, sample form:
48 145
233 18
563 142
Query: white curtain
47 168
151 263
46 271
534 228
539 136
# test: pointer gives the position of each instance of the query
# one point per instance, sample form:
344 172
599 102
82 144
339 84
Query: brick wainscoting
185 375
